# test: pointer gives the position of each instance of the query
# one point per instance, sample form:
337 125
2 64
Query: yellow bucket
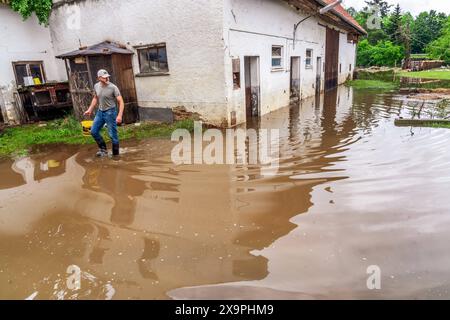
87 126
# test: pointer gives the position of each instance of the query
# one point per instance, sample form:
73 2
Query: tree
440 48
353 12
384 53
383 5
427 28
25 8
393 25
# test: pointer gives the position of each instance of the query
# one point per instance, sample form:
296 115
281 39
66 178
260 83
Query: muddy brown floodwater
352 191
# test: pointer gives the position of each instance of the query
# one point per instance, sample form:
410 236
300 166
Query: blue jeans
109 117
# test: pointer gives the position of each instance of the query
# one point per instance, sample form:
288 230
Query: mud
352 191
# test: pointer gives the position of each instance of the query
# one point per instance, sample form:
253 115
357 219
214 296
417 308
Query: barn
230 61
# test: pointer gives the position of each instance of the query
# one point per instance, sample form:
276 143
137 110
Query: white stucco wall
252 28
192 31
23 41
347 57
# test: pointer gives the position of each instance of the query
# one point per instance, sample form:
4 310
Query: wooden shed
82 66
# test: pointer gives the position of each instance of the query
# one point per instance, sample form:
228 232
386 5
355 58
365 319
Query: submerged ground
352 191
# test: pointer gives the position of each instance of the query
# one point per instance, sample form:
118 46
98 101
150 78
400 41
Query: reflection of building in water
41 166
9 178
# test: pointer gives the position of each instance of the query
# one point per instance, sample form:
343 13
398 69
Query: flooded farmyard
352 191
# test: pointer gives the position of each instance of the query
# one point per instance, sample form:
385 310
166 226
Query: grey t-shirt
107 95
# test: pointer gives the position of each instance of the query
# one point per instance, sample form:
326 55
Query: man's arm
91 107
121 109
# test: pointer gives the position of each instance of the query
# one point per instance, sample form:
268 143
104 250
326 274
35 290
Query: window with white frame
309 59
277 57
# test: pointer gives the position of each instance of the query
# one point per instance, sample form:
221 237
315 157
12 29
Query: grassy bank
439 125
431 74
372 84
19 140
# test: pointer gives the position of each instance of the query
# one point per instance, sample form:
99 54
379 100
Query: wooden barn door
123 69
332 59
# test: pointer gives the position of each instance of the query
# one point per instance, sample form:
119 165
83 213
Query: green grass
372 84
439 125
19 140
431 74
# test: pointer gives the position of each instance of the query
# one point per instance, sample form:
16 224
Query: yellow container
87 126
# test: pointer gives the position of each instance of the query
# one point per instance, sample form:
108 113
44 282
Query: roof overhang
337 16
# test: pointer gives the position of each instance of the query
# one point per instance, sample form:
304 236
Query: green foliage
401 34
383 5
384 53
393 26
41 8
427 27
18 140
440 48
372 85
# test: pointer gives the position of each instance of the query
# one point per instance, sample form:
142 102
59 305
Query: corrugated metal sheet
103 48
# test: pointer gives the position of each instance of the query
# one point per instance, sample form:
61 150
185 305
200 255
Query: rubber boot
103 149
116 150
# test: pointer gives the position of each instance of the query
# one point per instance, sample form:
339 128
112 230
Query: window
340 67
277 57
236 73
309 56
29 73
153 59
350 68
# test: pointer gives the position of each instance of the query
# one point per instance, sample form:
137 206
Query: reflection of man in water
107 95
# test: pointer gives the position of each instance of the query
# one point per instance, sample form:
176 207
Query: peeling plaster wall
252 27
22 41
347 57
192 31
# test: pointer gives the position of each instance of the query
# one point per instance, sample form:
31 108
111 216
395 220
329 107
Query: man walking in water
107 96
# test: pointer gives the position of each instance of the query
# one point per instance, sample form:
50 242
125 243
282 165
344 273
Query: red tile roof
344 14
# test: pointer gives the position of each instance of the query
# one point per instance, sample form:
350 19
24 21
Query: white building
227 60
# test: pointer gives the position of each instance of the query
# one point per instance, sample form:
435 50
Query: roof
343 14
103 48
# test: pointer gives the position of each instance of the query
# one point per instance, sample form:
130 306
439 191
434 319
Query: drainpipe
321 11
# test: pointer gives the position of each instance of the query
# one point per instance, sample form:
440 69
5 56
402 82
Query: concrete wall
22 41
192 31
252 27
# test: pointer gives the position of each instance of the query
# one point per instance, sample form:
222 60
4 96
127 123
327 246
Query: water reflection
142 227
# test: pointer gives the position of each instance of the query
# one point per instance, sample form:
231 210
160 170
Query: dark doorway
252 87
295 79
319 75
332 59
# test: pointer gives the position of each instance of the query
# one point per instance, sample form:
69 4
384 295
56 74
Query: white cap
103 74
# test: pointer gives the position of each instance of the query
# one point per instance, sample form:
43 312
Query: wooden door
332 59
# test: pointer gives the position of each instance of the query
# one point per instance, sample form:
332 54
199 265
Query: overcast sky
413 6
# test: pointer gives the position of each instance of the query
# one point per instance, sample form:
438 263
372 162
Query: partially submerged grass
436 74
438 125
19 140
372 84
